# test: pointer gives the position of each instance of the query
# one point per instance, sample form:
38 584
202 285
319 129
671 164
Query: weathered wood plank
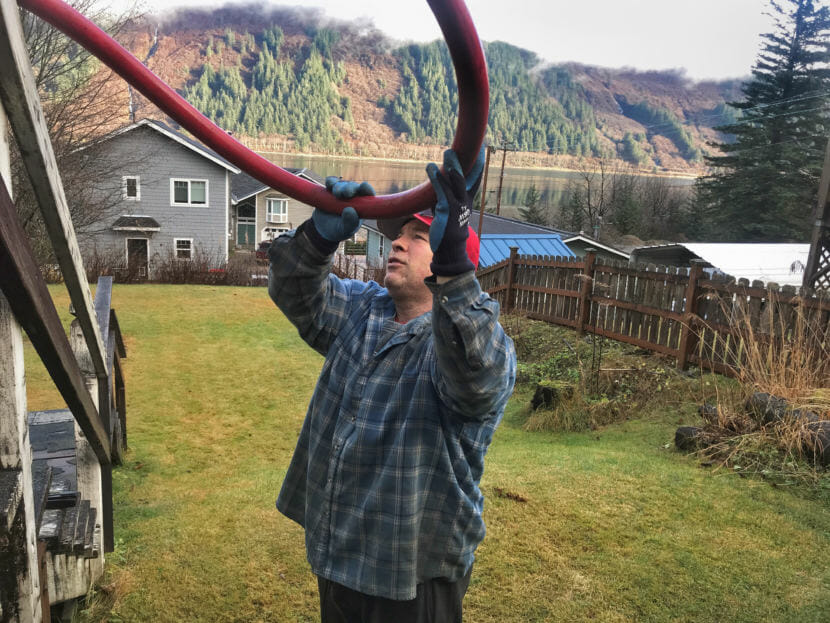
41 479
20 99
50 526
92 476
70 524
20 591
32 305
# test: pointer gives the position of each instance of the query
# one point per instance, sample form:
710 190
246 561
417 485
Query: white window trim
278 231
278 218
176 249
174 203
124 195
381 245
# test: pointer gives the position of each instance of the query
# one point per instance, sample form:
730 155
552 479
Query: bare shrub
785 352
202 268
243 269
103 263
355 267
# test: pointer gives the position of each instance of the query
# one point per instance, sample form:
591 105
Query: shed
781 263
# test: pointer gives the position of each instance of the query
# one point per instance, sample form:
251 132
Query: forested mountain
287 76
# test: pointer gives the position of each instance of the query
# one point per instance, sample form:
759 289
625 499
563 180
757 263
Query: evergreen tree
765 185
532 211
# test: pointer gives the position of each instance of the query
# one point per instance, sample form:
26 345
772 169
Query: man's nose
398 244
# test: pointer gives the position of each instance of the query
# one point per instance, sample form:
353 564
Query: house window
131 187
184 248
269 233
380 246
276 210
188 192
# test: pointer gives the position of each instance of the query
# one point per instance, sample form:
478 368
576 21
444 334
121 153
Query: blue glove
449 231
327 230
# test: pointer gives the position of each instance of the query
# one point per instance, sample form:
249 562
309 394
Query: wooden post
490 149
817 270
501 179
92 475
511 277
688 335
19 570
585 289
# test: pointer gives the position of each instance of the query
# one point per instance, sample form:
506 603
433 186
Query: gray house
174 200
259 212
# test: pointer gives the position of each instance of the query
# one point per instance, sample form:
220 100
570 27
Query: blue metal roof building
496 247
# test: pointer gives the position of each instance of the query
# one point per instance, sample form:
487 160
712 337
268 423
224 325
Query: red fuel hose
473 105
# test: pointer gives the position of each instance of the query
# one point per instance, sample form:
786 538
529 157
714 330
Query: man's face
409 261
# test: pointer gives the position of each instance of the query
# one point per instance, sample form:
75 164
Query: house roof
244 186
136 223
769 262
496 247
185 141
593 242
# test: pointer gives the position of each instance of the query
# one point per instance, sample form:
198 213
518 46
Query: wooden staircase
65 521
56 505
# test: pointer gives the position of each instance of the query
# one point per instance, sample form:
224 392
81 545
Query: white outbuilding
781 263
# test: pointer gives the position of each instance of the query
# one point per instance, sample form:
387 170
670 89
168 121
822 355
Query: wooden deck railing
85 367
673 311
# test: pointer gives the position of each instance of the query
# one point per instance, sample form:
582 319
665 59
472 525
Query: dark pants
436 601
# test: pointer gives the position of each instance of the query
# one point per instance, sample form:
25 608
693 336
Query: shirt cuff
458 291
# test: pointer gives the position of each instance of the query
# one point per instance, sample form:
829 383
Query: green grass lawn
606 525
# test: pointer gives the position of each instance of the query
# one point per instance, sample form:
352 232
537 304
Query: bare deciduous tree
606 192
80 104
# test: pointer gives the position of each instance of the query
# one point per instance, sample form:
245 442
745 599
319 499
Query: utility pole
817 271
505 147
490 150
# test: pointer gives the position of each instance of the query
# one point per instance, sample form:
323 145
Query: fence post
585 289
688 336
511 277
94 478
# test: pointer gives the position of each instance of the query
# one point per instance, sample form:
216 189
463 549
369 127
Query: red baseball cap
391 227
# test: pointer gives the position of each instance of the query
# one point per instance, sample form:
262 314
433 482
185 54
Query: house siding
297 212
373 241
159 159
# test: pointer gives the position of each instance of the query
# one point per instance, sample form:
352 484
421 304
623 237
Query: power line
790 100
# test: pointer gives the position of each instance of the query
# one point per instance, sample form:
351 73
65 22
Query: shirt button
445 300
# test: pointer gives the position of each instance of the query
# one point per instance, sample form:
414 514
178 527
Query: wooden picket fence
673 311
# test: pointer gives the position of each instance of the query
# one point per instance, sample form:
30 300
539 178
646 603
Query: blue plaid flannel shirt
385 476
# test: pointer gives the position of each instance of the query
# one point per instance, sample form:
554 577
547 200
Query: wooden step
70 530
41 479
52 437
70 525
50 528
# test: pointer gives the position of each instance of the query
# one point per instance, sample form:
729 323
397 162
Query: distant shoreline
669 174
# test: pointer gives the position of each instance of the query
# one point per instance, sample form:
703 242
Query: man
385 475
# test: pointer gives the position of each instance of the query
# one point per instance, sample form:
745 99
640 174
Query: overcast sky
707 38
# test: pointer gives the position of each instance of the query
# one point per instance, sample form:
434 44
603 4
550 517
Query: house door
246 225
137 255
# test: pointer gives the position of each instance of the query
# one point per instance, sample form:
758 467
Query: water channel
391 176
